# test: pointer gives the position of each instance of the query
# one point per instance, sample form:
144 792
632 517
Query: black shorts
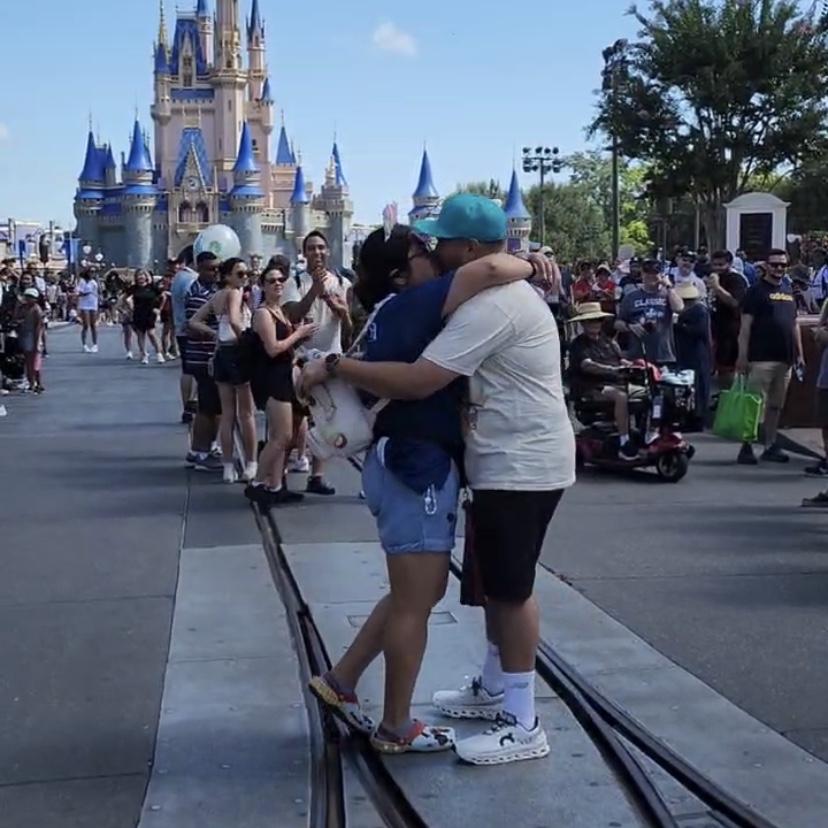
227 366
822 407
182 352
209 402
509 529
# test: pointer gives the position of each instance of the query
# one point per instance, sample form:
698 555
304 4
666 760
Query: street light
614 62
542 160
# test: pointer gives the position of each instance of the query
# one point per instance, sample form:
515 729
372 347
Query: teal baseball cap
466 216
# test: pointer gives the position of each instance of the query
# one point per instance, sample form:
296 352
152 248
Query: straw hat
688 291
589 310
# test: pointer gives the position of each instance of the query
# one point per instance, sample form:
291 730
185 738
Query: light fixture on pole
542 160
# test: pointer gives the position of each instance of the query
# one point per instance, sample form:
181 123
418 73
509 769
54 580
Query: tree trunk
713 222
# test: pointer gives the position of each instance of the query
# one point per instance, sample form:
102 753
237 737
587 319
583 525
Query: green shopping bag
739 413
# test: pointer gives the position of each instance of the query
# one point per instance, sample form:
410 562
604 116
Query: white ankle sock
492 675
519 698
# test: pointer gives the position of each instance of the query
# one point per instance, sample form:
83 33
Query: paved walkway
723 574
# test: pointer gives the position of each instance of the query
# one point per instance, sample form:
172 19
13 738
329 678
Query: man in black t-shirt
596 370
770 342
727 290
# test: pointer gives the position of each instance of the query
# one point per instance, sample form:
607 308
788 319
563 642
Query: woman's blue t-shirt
424 435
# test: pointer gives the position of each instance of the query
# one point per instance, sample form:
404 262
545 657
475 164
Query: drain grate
437 619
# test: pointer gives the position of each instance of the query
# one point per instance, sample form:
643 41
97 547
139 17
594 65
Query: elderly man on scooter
597 372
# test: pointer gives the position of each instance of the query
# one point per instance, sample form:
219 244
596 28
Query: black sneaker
819 470
319 486
628 452
186 417
283 497
256 494
746 456
774 454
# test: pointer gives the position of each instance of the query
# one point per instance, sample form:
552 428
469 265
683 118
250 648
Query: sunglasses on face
777 265
276 280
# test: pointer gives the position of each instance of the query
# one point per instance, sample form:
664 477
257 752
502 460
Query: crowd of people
458 343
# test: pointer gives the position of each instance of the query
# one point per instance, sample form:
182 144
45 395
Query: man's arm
485 273
673 299
296 310
396 380
800 352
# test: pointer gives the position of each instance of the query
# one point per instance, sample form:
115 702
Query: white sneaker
229 475
87 349
94 349
251 469
471 702
507 741
300 466
145 360
129 356
169 357
159 358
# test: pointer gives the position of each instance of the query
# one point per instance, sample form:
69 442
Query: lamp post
614 62
542 160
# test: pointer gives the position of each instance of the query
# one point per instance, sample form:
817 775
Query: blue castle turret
89 198
284 154
518 217
426 197
247 197
300 203
138 200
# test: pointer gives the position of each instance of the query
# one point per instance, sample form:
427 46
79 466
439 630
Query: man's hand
314 373
337 304
713 282
637 330
546 275
742 366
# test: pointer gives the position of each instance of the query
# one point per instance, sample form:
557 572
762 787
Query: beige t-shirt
520 437
329 336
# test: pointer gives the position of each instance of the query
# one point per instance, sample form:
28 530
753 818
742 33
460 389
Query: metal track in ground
331 742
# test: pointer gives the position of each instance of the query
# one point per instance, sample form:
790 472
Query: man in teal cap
520 457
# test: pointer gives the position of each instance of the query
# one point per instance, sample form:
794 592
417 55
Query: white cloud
390 38
4 132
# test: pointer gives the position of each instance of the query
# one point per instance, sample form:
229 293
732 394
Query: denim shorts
407 521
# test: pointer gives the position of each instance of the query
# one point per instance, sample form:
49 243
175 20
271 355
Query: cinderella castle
212 159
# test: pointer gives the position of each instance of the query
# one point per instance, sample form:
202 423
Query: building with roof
209 160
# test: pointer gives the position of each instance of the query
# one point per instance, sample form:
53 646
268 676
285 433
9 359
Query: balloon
218 239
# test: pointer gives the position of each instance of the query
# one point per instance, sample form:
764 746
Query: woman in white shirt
87 290
229 369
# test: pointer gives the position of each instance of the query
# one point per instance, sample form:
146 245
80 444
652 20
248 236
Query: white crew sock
519 698
623 439
492 675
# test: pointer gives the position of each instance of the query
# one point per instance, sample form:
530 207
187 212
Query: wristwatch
332 364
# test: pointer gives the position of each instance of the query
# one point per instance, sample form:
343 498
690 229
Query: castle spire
514 206
93 171
255 24
246 161
162 25
341 181
425 185
300 193
284 154
139 156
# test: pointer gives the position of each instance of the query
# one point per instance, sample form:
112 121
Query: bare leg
142 342
518 630
127 332
204 432
227 393
187 387
365 647
247 421
280 433
154 340
85 326
93 326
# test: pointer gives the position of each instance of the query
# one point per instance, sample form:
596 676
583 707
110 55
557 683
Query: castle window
185 212
187 72
202 213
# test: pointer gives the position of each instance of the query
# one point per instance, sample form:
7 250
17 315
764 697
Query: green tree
717 91
593 171
490 188
575 224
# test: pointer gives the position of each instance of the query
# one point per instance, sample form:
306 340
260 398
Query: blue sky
476 79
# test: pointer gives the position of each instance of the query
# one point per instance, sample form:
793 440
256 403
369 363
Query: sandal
819 501
344 706
421 738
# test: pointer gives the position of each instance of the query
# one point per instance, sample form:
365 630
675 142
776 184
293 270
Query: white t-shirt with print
520 437
329 336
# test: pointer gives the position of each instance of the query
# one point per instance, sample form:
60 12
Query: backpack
342 425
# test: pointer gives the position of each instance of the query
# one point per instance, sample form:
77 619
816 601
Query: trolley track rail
605 723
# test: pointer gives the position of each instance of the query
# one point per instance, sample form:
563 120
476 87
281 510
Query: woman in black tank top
273 384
